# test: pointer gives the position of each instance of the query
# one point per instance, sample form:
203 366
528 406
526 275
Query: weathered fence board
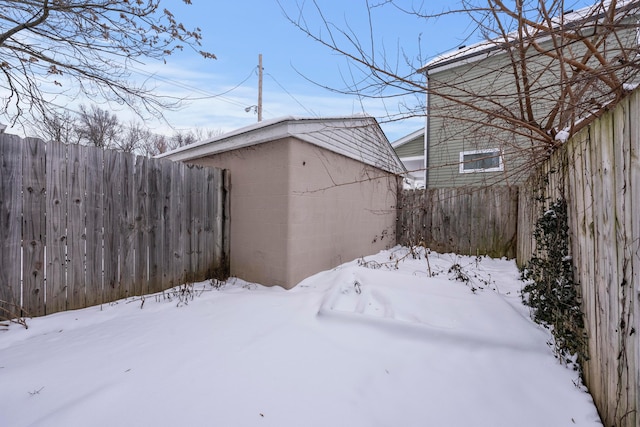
598 172
465 220
164 253
33 225
76 264
56 294
80 226
623 212
633 268
94 211
112 237
10 226
178 224
194 202
155 225
224 260
126 223
141 214
198 243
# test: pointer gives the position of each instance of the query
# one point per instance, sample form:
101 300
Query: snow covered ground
385 341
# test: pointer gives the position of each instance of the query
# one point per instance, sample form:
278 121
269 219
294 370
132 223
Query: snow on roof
357 137
486 48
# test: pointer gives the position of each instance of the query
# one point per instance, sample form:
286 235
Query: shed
307 194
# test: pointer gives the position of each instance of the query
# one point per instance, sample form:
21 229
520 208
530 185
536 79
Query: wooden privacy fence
598 173
464 220
81 226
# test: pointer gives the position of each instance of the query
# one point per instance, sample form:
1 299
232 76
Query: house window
481 161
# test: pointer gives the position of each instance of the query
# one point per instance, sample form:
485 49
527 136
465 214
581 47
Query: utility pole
260 87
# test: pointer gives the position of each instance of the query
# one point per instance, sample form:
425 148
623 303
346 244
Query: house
410 150
307 194
481 130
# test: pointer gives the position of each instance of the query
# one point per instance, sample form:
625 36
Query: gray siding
455 128
489 84
413 148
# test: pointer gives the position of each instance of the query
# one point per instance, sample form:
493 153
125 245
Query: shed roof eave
215 144
407 138
268 131
309 130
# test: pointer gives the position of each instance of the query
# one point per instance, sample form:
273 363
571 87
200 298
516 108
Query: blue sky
295 67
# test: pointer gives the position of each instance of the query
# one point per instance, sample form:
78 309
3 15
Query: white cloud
210 101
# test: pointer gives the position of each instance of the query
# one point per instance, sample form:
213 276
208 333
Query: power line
210 95
207 94
292 97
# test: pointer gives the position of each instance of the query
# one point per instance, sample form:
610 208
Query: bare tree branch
54 47
538 73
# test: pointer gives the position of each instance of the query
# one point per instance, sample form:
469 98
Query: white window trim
500 168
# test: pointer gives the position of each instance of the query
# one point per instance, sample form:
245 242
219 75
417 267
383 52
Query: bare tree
104 129
185 137
132 138
98 127
539 73
180 138
154 144
58 127
55 47
201 133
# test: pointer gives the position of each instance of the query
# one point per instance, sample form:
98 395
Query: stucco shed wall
259 206
298 209
339 209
